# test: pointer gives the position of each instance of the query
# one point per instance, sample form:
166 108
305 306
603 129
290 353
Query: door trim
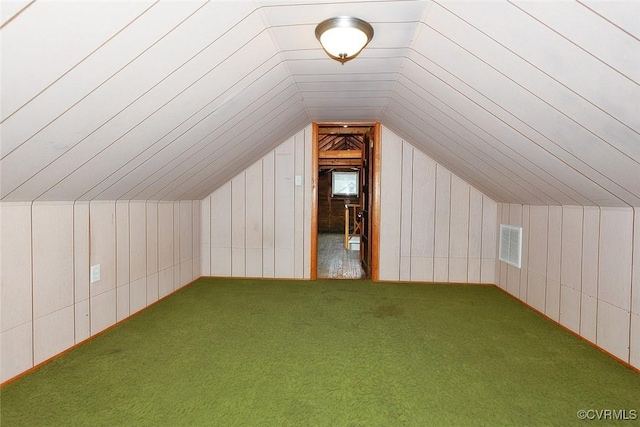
313 275
375 194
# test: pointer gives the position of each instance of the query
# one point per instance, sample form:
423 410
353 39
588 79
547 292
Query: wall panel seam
402 145
481 236
90 256
275 183
73 259
413 175
633 255
598 274
468 232
435 220
546 264
449 228
581 276
114 212
210 219
560 272
130 253
33 311
231 251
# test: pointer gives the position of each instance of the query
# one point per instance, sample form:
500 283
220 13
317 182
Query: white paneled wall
17 317
146 250
634 344
52 267
434 227
581 268
258 224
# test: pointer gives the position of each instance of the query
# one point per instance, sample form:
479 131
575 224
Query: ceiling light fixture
343 37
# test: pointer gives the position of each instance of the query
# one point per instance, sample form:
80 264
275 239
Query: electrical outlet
95 273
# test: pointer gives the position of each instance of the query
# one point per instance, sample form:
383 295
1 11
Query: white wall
259 223
581 268
146 250
434 227
438 229
579 264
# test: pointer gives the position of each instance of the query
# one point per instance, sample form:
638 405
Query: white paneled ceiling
531 102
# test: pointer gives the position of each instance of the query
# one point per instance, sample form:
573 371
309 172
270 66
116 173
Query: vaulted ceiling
531 102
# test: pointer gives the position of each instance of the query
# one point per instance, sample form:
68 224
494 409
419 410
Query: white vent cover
511 244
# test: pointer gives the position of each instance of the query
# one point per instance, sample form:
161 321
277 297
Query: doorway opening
345 208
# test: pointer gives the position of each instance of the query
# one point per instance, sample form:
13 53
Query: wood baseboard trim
75 346
51 359
592 344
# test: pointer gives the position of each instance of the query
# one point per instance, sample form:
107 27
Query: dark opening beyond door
344 199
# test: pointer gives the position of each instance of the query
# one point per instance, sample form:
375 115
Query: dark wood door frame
374 194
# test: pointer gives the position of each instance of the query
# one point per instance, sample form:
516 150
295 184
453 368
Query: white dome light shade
344 37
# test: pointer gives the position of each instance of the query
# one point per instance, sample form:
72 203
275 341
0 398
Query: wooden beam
322 125
336 163
340 154
343 130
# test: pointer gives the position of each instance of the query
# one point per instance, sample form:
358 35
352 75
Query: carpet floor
239 352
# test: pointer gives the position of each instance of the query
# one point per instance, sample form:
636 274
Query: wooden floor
334 261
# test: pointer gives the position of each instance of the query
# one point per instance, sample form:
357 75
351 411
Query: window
511 245
344 184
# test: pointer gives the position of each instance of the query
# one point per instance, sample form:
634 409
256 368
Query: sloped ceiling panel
531 102
169 93
360 89
518 98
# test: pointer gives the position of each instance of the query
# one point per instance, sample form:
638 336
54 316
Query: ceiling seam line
185 120
100 85
201 140
198 150
501 143
415 37
492 146
209 155
207 189
485 162
450 167
608 20
531 93
539 69
267 6
228 175
79 62
148 147
18 13
274 40
574 43
209 175
122 110
531 139
508 125
470 144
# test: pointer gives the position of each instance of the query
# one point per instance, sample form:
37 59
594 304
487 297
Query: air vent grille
511 245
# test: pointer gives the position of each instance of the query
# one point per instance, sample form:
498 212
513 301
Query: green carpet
229 352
